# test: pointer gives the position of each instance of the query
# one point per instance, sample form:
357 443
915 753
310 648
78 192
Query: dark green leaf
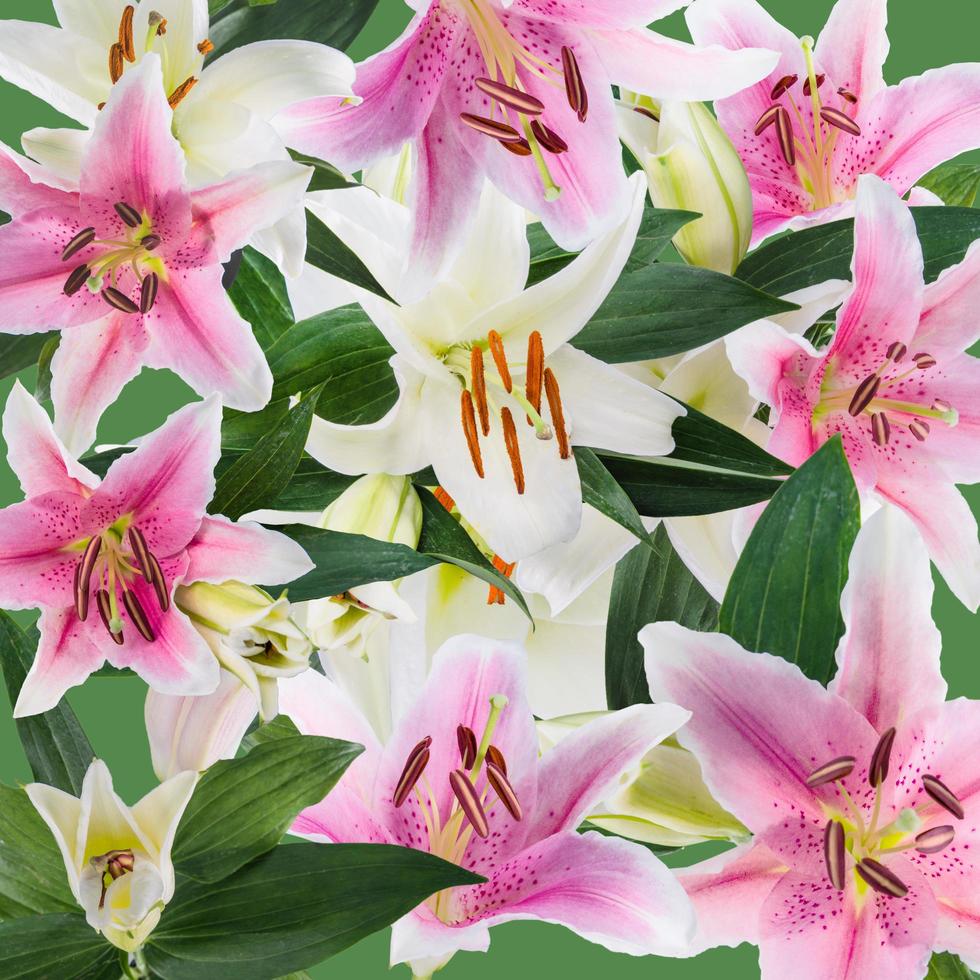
47 947
242 430
55 745
602 492
273 731
948 966
325 177
956 183
650 585
327 252
259 294
292 908
33 879
665 309
259 475
241 808
18 352
312 487
42 387
784 595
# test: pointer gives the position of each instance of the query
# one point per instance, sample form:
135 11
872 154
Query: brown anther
180 92
496 345
919 428
882 880
83 580
943 795
644 111
896 352
116 63
478 384
864 394
840 120
118 300
941 406
881 428
469 802
783 86
100 106
128 213
935 839
535 371
511 97
490 127
415 765
831 771
847 96
505 792
105 613
141 552
557 413
120 863
834 853
575 91
150 242
148 292
880 758
138 615
444 498
76 280
495 595
466 740
807 89
495 756
520 148
784 132
126 42
547 137
513 448
84 238
159 583
767 119
206 46
924 361
468 416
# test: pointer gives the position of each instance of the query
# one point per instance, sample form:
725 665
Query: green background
923 36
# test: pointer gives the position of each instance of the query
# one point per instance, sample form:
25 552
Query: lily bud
691 165
661 801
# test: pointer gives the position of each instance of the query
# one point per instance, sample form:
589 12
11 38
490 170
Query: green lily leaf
602 492
956 183
327 252
259 294
948 966
272 731
18 352
48 946
326 176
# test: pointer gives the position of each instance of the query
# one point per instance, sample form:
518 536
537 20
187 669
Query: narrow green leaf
258 476
784 595
18 352
948 966
273 731
650 585
260 296
42 387
326 177
602 492
241 808
292 908
57 749
242 430
49 946
327 252
665 309
956 183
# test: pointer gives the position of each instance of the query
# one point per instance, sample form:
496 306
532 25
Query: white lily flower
480 354
225 114
117 857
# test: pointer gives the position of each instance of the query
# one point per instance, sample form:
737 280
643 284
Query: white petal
187 27
58 150
97 21
813 302
62 813
706 546
285 243
158 815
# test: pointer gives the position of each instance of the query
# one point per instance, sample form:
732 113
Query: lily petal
62 813
853 46
949 305
599 13
58 151
158 815
26 186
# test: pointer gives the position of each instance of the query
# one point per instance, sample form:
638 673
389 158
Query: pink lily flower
128 265
895 382
460 777
518 91
864 799
102 559
824 115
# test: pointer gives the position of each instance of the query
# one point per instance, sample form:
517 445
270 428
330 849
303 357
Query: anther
479 388
919 428
880 428
767 119
511 97
644 111
496 345
469 802
120 863
495 756
881 879
806 84
76 280
138 615
896 352
941 406
141 552
864 394
783 86
180 92
119 300
880 758
85 237
557 412
575 91
129 214
466 740
444 498
148 292
834 853
935 839
924 361
206 46
513 448
126 42
840 120
116 63
831 771
150 242
784 131
847 96
105 613
495 595
943 795
505 792
415 765
490 127
520 148
159 583
83 582
535 371
469 431
547 137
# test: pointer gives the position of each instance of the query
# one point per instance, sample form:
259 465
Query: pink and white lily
824 116
104 558
128 264
461 778
864 799
517 91
895 382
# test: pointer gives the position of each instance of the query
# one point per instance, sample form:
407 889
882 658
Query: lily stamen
557 412
466 740
181 91
943 795
535 372
126 41
469 802
513 448
495 595
575 91
479 388
415 765
511 97
113 628
468 416
496 346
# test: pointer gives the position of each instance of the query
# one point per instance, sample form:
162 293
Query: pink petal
196 333
728 892
247 552
232 211
888 659
862 454
755 757
167 482
36 454
584 768
609 891
853 46
92 365
949 306
24 186
598 13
